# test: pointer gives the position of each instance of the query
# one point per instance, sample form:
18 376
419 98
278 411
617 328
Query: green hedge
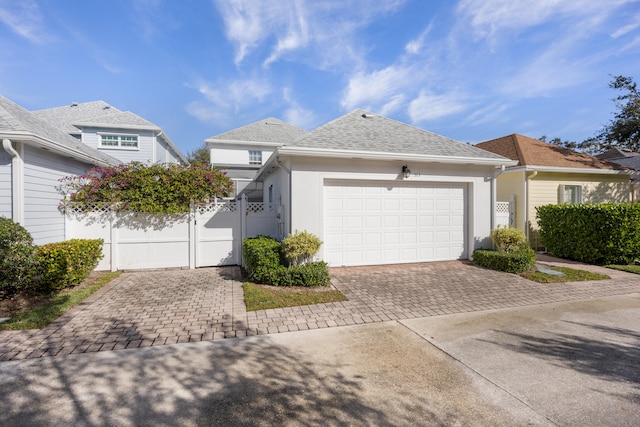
510 262
67 263
263 264
596 234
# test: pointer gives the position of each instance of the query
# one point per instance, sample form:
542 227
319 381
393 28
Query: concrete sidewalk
567 364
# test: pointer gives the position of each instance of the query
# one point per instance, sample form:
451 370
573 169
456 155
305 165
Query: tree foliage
199 156
623 131
156 188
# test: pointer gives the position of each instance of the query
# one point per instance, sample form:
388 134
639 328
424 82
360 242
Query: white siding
144 153
237 154
42 170
5 184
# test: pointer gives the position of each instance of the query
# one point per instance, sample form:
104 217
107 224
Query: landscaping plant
17 256
300 248
157 188
263 262
513 254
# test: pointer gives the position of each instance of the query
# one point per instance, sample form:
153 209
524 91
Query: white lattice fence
503 214
210 235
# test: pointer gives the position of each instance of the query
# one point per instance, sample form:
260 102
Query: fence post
243 225
193 239
113 236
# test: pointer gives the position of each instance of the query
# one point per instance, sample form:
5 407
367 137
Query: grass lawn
55 306
570 275
628 268
262 297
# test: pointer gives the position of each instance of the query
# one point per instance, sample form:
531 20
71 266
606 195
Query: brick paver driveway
166 307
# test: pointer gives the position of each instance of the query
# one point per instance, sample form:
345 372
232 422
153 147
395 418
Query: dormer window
255 157
119 141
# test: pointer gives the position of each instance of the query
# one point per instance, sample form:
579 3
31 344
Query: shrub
157 188
510 262
263 264
597 234
17 256
261 258
300 247
67 263
508 239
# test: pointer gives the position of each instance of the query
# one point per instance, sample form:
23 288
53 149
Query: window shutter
561 194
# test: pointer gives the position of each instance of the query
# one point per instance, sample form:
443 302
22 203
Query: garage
387 222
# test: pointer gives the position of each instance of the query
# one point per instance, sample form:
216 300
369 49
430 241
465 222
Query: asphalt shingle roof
362 131
14 118
533 152
265 130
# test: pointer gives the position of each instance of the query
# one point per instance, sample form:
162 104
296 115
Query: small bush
263 264
300 247
67 263
261 258
508 239
17 256
510 262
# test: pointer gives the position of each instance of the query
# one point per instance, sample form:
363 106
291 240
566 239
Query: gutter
526 200
17 181
289 204
494 195
371 155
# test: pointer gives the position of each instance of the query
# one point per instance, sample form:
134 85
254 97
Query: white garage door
368 223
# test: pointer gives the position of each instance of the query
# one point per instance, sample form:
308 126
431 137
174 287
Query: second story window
255 157
118 141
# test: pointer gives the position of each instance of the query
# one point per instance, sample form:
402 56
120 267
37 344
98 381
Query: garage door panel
393 222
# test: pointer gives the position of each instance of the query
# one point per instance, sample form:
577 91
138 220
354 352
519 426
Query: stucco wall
229 154
512 184
308 176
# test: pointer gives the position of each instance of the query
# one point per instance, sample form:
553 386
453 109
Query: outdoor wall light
406 171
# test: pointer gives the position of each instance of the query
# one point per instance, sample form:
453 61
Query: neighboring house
629 159
121 134
549 174
33 157
377 191
241 152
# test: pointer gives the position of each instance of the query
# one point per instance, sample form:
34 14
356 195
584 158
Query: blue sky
471 70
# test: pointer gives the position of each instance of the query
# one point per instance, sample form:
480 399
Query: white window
571 194
119 141
255 157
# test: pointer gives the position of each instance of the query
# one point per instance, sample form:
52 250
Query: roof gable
533 152
15 119
362 131
266 130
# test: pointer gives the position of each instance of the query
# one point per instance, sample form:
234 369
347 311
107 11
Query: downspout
525 215
288 208
17 182
494 195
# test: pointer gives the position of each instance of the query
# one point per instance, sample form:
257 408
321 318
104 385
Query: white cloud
416 45
428 106
378 87
297 115
25 19
326 30
489 18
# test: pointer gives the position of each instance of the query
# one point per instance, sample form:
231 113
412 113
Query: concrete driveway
567 364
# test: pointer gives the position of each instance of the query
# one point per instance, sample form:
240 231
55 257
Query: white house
120 134
242 152
378 191
33 157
